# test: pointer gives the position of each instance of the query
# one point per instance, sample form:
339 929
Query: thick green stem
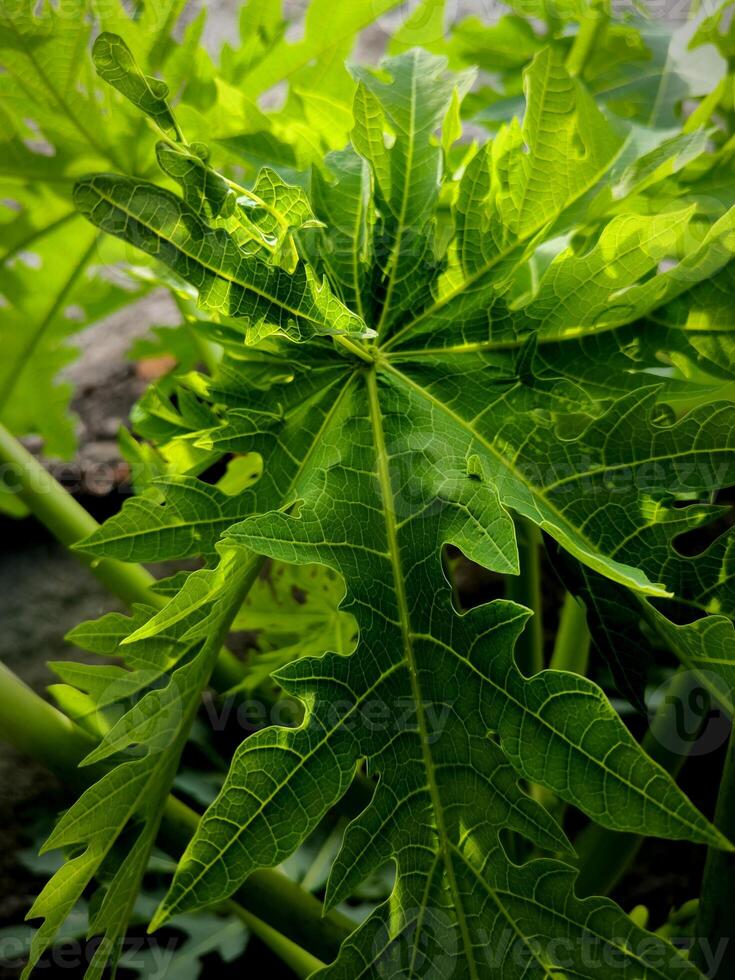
605 855
36 728
356 348
572 645
716 915
69 522
526 590
591 27
299 960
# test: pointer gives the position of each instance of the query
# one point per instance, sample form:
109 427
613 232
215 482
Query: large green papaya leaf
457 679
485 372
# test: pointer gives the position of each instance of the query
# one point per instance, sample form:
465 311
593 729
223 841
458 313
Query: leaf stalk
69 523
717 900
590 28
525 589
572 645
606 855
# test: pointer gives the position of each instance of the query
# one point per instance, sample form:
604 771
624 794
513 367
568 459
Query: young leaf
342 199
410 104
228 280
116 65
515 186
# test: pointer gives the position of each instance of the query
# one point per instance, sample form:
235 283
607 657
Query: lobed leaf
228 280
475 344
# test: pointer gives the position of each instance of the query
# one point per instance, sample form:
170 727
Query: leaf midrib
531 159
398 246
408 635
357 239
386 492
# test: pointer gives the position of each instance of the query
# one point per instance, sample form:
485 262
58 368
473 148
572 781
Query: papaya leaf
470 349
115 64
56 125
129 797
227 279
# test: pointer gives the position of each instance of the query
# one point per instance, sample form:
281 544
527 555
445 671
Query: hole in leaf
296 28
666 265
714 522
32 259
40 147
472 585
75 312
